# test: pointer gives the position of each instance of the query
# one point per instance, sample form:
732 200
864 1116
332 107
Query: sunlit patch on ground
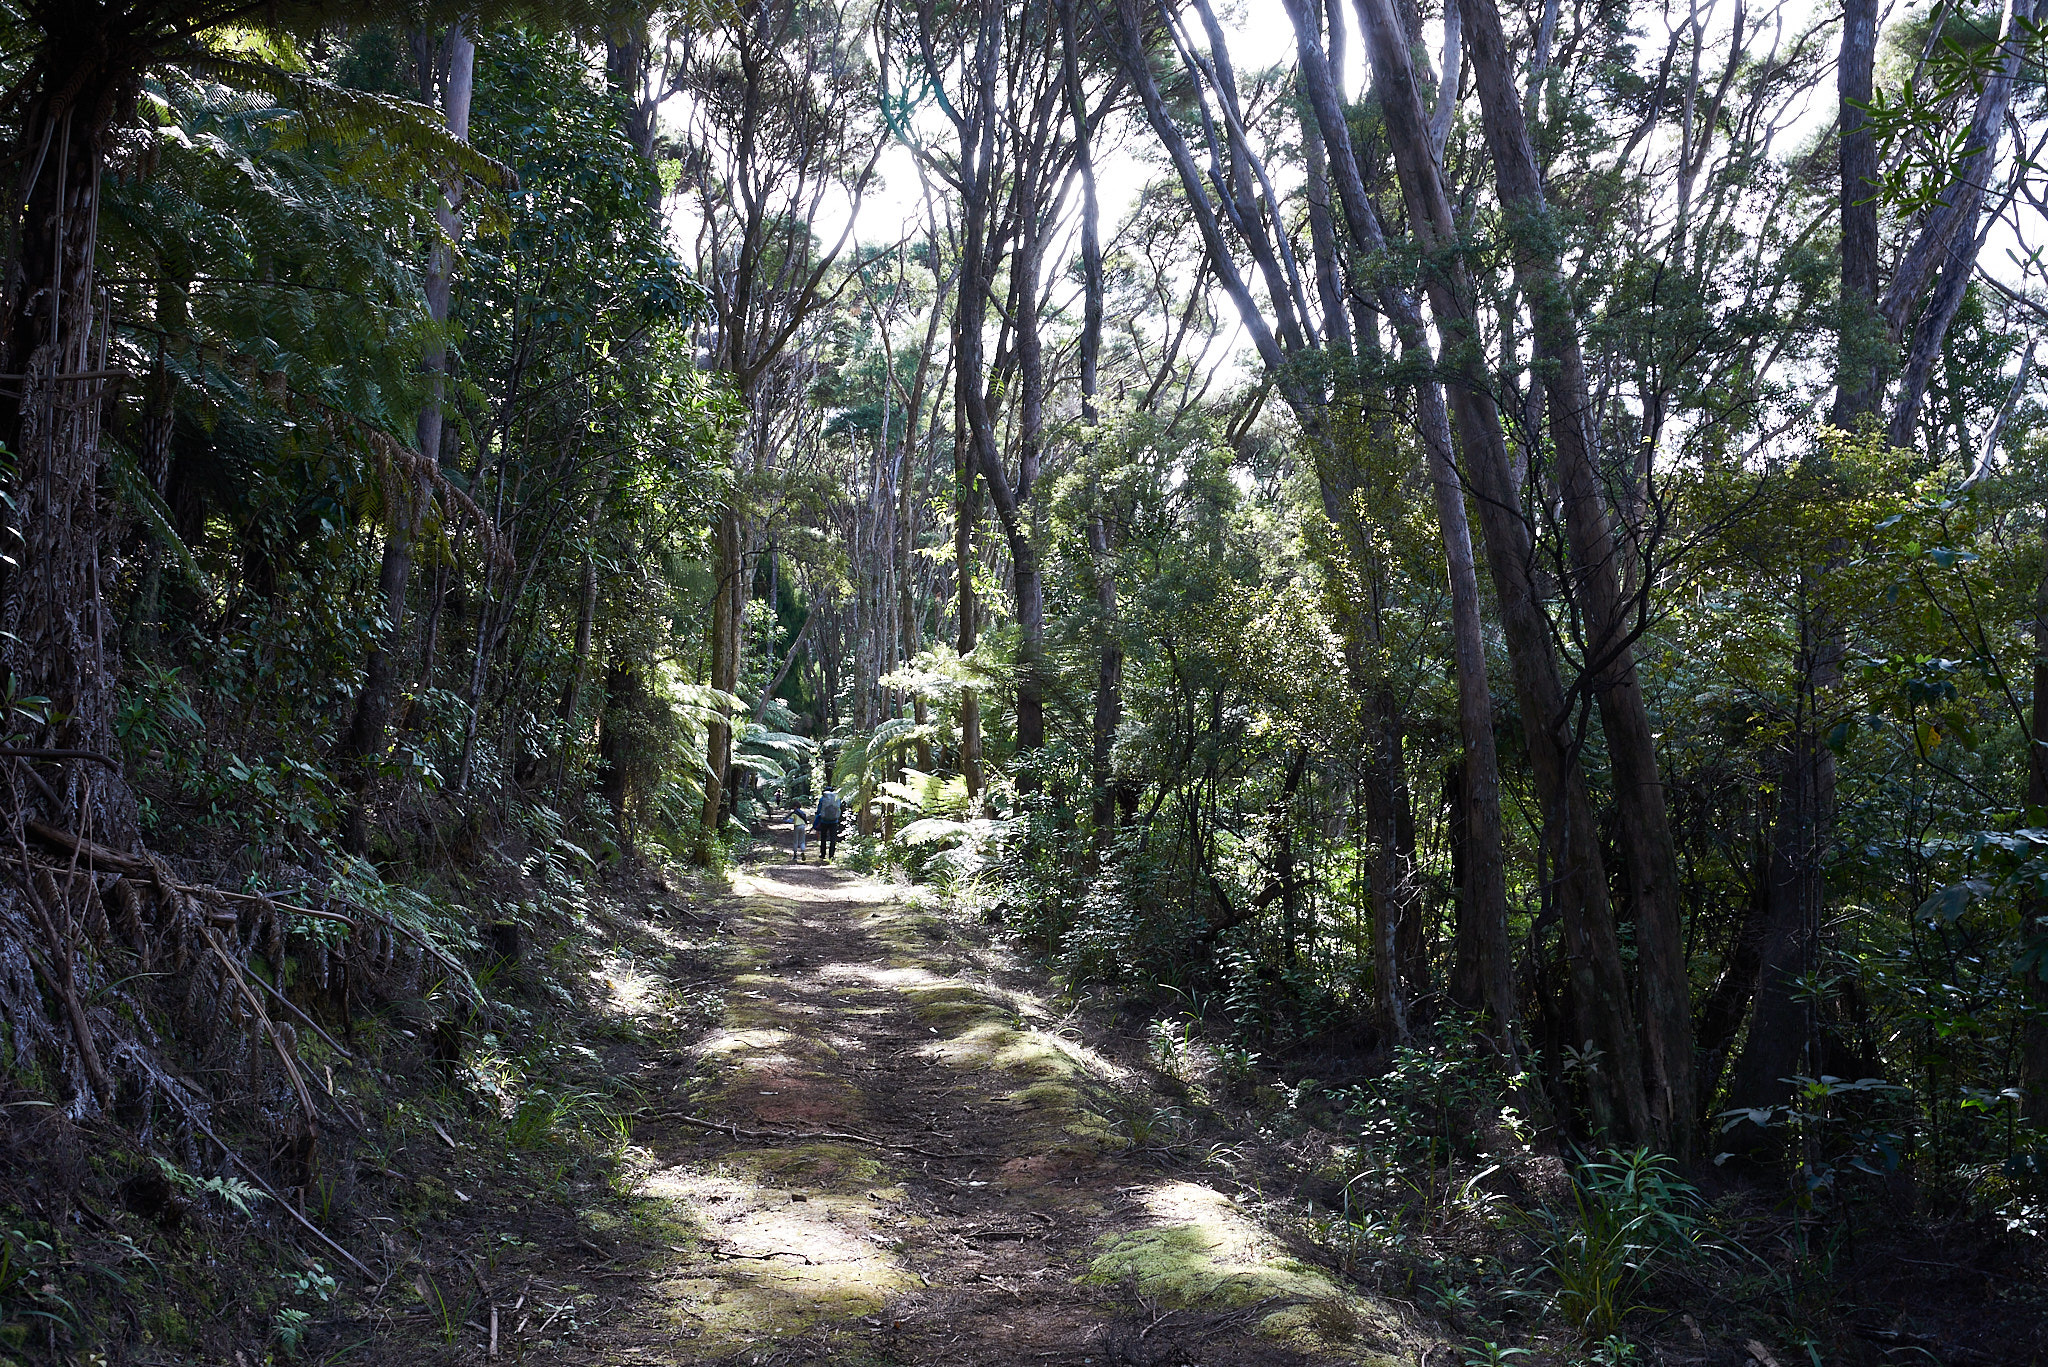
984 1036
786 1239
755 1046
810 883
1205 1252
628 991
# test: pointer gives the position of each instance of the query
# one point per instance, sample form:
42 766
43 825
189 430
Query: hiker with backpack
826 822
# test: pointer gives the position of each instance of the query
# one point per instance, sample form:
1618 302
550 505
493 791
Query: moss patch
1206 1253
763 1264
826 1167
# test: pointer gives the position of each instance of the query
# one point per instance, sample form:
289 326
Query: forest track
896 1150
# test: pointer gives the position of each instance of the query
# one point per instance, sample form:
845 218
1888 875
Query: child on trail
799 825
827 823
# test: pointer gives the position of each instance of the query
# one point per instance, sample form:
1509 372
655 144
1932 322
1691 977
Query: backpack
828 810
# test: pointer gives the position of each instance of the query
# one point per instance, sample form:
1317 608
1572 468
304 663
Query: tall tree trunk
978 131
725 663
1666 995
1109 678
1722 1013
1949 238
1930 331
1389 830
586 622
53 628
1784 1031
1938 238
1862 349
621 692
365 736
1600 992
966 510
1109 648
788 659
1027 582
1483 890
1482 886
2034 908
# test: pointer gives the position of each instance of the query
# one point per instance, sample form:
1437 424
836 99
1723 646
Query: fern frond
149 507
409 137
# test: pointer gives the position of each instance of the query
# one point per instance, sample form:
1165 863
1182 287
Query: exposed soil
924 1162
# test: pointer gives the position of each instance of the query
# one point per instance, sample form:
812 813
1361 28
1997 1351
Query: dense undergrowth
471 1120
1435 1171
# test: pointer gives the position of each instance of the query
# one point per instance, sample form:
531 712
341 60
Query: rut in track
926 1164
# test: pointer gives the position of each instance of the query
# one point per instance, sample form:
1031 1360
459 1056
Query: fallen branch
98 854
271 1192
284 1055
304 1019
63 980
717 1252
726 1127
35 752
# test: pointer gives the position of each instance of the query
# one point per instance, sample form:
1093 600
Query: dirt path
928 1165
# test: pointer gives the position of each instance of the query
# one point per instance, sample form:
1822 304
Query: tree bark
1666 997
725 662
1109 648
1483 889
1860 354
621 693
966 511
1784 1029
53 629
2034 908
1936 241
1109 675
372 718
1600 994
586 621
1027 582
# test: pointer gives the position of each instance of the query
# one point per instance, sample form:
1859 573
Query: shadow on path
894 1149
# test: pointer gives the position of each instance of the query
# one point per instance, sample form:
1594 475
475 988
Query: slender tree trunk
366 733
1722 1014
1109 677
725 662
1950 238
1860 355
1938 238
1483 890
621 692
977 160
1109 649
1600 994
586 621
1396 906
788 659
1666 997
1028 585
1784 1029
966 511
2034 908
